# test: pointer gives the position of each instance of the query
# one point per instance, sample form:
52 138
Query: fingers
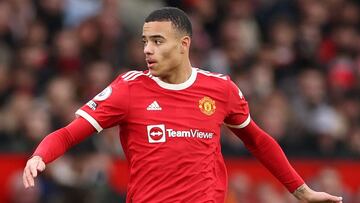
335 198
31 171
28 178
25 182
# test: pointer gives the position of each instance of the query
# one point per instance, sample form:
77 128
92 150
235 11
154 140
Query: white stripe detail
128 73
243 125
90 119
131 75
208 73
180 86
134 77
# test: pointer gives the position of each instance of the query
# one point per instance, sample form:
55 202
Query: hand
31 169
306 194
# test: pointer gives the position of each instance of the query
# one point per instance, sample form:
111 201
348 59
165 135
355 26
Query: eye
157 42
144 42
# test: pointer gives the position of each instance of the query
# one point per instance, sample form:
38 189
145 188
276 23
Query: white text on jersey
158 133
189 133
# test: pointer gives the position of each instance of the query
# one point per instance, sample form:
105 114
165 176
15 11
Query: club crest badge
207 106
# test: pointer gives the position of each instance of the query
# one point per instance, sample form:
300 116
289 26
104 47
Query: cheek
165 54
171 53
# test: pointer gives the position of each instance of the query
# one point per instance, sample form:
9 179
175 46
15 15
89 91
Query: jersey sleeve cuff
242 125
90 119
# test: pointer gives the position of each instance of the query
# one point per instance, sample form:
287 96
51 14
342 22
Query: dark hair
176 16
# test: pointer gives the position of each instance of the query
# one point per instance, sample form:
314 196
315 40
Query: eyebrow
154 36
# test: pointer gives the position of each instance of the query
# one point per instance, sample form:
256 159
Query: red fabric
170 133
270 154
57 143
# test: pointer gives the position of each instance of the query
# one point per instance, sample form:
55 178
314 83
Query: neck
179 74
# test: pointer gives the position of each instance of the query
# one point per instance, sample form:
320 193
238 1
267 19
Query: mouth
150 63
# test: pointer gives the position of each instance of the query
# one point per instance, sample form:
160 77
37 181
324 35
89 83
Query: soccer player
169 118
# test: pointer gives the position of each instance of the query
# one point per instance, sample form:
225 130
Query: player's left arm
270 154
266 149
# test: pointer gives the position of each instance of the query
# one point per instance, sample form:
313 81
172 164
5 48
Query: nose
148 49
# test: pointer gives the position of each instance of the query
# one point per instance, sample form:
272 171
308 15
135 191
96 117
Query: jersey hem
243 125
90 119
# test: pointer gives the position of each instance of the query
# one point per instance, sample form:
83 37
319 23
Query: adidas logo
154 107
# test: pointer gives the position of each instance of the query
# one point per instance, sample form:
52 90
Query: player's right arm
105 110
53 146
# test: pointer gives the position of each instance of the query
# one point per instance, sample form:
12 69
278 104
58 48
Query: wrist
37 157
302 192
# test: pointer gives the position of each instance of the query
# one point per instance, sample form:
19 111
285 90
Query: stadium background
296 61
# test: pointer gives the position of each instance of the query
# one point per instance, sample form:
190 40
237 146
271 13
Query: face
164 48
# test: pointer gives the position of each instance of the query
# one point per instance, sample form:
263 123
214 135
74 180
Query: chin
154 72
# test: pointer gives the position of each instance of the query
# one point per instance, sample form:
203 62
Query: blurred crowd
297 62
243 189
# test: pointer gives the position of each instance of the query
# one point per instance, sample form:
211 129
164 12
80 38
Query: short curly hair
176 16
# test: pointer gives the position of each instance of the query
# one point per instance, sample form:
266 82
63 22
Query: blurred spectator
61 95
135 56
229 56
282 39
98 75
341 77
13 116
350 13
75 11
134 12
247 28
262 80
4 83
263 191
354 141
67 59
240 189
6 33
37 34
274 117
201 42
320 121
114 36
37 124
51 13
308 43
89 38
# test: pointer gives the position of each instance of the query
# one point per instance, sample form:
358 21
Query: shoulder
213 77
218 80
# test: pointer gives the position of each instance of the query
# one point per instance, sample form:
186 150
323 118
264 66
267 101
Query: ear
185 44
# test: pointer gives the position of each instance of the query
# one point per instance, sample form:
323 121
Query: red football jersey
170 133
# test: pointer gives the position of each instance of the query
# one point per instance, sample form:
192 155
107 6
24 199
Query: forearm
270 154
58 142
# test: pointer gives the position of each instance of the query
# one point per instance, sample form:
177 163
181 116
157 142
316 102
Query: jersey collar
180 86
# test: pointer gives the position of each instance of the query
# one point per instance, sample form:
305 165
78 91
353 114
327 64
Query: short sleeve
238 115
108 108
